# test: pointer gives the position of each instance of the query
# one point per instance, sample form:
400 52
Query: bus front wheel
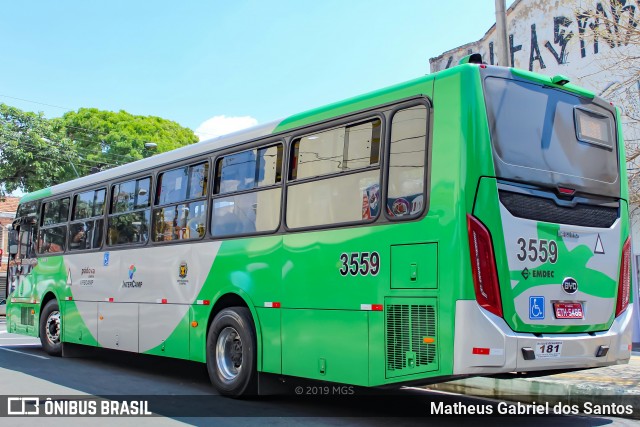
51 328
231 352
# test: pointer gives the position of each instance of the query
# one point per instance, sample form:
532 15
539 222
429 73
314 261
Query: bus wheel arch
232 347
51 325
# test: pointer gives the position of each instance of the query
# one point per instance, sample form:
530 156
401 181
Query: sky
221 65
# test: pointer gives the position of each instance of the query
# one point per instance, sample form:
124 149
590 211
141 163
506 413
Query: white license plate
548 349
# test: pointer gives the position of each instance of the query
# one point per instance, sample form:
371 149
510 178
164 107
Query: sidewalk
600 386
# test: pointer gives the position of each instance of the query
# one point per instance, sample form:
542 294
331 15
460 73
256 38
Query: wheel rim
229 354
53 327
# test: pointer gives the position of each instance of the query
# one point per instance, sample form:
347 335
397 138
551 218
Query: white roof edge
168 157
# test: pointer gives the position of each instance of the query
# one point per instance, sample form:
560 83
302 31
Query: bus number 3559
362 263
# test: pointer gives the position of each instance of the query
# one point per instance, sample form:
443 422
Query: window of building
407 160
257 174
184 217
129 217
87 220
350 156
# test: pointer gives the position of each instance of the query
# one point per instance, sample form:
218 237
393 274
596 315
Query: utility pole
501 34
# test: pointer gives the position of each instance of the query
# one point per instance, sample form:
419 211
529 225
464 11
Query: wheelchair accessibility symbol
536 308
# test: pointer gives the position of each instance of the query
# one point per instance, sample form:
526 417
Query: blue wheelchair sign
106 259
536 308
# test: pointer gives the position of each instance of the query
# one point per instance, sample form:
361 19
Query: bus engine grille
543 209
407 327
26 316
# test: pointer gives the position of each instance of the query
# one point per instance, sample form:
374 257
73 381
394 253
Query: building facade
8 208
596 44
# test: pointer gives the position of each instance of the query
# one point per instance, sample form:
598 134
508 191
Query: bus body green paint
382 300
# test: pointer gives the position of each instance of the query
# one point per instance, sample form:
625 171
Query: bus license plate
568 310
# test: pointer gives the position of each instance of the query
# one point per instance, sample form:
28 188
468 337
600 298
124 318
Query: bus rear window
545 135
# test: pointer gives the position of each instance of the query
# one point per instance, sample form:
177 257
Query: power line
35 102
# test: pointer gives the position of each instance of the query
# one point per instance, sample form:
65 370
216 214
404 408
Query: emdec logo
24 407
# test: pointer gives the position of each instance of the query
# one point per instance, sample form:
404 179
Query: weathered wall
553 37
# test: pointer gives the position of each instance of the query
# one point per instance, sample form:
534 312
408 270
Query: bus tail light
624 281
483 266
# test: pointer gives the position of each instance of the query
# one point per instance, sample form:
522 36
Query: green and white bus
469 222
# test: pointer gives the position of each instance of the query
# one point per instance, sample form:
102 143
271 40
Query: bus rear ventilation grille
407 326
543 209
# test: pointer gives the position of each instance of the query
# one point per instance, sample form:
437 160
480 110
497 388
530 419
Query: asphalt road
180 392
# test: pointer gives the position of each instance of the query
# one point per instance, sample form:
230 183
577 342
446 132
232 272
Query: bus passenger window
257 211
342 196
129 219
52 236
183 218
52 240
407 159
85 230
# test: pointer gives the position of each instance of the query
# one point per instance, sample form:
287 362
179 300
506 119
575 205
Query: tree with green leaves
34 151
105 139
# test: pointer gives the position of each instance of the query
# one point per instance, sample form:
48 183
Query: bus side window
323 188
407 160
255 211
52 236
85 230
129 216
184 217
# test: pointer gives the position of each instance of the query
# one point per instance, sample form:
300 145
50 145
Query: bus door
22 260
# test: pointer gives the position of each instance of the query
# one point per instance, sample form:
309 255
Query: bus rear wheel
51 328
231 352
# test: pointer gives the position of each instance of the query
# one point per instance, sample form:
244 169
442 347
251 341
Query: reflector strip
567 191
203 302
272 304
109 299
482 351
371 307
68 298
161 301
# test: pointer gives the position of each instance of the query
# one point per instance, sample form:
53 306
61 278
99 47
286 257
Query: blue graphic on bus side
106 259
536 308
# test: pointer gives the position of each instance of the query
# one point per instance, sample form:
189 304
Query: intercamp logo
23 406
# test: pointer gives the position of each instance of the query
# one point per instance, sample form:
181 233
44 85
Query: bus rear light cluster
483 267
624 281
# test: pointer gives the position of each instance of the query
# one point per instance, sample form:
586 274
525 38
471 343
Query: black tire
231 353
51 328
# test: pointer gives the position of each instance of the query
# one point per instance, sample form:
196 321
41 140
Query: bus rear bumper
485 344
